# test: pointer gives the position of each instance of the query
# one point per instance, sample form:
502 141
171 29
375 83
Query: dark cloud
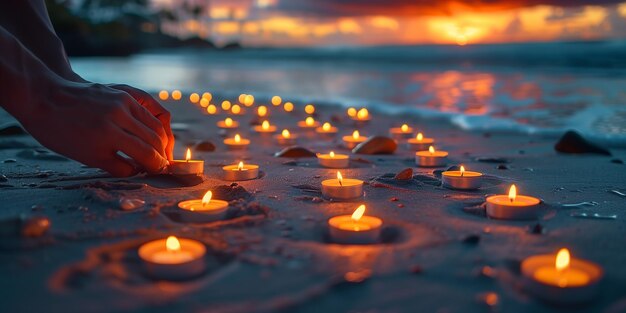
333 8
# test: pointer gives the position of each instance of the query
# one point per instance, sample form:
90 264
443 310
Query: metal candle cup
202 210
420 143
353 140
265 128
327 130
462 179
403 132
237 172
237 143
342 188
431 158
356 228
173 258
308 123
332 160
513 206
228 123
286 138
186 167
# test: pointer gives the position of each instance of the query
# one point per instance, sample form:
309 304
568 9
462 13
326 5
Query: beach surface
438 253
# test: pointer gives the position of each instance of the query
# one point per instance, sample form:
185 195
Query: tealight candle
513 206
332 160
431 158
362 116
560 278
420 143
240 171
326 129
186 166
173 258
402 132
227 123
461 179
308 123
237 143
342 189
262 111
353 140
286 138
356 228
202 210
265 128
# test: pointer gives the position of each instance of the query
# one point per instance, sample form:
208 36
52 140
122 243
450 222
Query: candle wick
462 173
340 184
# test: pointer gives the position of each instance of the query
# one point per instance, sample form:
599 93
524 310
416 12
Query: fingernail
164 164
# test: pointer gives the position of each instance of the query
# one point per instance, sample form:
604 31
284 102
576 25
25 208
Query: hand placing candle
342 189
265 128
431 158
326 129
352 141
202 210
286 138
173 258
461 179
402 132
186 166
513 206
332 160
356 228
560 278
237 143
420 143
308 123
240 171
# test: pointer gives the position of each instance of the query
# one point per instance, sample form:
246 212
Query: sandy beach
438 251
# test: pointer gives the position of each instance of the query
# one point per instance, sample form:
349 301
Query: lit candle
342 188
332 160
326 129
308 123
461 179
240 171
164 95
362 115
186 166
236 109
402 132
173 258
353 140
513 206
202 210
309 109
261 111
276 100
265 128
177 95
237 143
356 228
431 158
226 105
351 112
248 100
194 98
420 143
561 278
288 107
227 123
286 138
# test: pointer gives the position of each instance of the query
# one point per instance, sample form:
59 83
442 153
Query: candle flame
262 111
228 122
276 100
431 149
340 178
248 100
419 137
172 244
188 155
404 128
462 170
207 198
309 121
265 125
362 114
286 133
326 127
562 260
512 193
309 109
358 213
356 134
351 112
237 138
226 105
240 166
288 106
236 109
332 154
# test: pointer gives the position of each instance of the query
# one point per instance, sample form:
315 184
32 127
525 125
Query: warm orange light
207 198
207 95
226 105
309 109
204 103
228 122
237 138
562 260
326 127
242 98
211 109
332 154
363 113
265 125
419 137
358 213
340 178
404 128
194 97
249 100
261 111
236 109
286 133
309 121
462 170
188 154
172 244
356 134
512 193
276 100
177 95
163 94
288 106
240 166
351 112
431 149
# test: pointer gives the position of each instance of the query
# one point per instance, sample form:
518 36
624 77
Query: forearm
29 23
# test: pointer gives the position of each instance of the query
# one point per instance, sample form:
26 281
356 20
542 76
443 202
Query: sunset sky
376 22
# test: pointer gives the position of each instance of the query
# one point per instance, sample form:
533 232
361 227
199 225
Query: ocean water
526 88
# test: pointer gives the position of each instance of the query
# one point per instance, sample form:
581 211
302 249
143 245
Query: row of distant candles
557 278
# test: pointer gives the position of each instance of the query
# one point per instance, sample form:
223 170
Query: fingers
141 131
142 153
117 167
145 126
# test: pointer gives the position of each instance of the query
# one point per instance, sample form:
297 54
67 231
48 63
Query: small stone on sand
294 152
573 142
376 145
